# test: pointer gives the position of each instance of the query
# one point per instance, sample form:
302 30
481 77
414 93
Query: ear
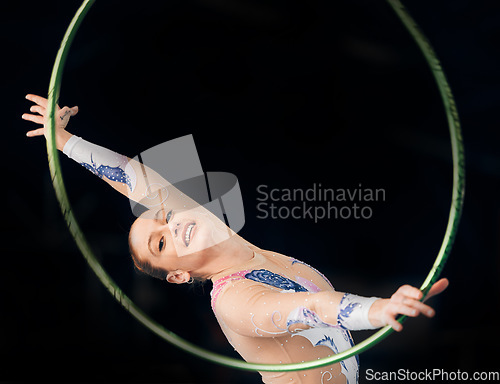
178 277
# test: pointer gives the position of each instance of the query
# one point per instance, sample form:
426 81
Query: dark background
281 93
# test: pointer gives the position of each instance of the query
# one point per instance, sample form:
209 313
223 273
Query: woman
262 300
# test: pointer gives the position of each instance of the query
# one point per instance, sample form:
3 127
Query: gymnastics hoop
172 338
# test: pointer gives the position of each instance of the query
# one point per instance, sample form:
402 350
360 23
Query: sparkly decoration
112 173
258 330
353 312
267 277
344 313
303 315
314 269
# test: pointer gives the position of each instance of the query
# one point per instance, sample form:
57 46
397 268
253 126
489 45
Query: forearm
134 180
253 310
259 311
110 166
131 178
346 310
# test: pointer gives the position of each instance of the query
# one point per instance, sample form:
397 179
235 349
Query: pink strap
219 284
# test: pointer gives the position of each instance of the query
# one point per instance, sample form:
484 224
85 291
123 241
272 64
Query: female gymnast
272 308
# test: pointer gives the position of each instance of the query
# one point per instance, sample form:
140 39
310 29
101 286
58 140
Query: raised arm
252 309
129 177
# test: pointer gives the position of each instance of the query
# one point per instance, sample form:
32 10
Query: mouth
187 234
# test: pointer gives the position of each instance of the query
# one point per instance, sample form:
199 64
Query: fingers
67 112
437 288
409 291
64 112
38 109
39 112
41 101
406 301
34 118
412 309
396 325
36 132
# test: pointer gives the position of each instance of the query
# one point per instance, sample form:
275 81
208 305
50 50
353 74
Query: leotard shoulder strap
261 276
221 283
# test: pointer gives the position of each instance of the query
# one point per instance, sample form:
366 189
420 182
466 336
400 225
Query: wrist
62 138
353 312
375 311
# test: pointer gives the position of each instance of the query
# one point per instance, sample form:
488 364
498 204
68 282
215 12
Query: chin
208 242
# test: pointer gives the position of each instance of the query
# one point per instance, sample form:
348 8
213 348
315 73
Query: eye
162 243
169 216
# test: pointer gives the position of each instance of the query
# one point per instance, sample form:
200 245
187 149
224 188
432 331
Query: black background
279 93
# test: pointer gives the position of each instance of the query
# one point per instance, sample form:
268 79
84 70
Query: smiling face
176 240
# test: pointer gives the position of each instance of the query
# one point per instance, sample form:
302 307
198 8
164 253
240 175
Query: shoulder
236 293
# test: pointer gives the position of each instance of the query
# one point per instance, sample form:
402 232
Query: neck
225 259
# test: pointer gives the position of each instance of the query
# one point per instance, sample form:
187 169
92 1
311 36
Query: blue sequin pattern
112 173
327 341
346 311
267 277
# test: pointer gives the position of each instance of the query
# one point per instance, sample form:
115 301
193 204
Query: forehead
140 231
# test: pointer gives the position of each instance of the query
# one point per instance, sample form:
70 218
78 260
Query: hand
62 118
406 301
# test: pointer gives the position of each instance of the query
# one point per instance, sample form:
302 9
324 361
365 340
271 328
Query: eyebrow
156 218
157 215
150 246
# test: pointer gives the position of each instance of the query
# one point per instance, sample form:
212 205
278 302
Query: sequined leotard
263 310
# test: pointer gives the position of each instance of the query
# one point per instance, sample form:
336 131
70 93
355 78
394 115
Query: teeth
188 234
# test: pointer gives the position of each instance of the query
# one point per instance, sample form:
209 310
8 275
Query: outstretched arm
129 177
252 309
406 301
39 116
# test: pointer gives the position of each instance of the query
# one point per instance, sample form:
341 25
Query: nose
174 228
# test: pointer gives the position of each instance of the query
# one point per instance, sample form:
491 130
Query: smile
188 232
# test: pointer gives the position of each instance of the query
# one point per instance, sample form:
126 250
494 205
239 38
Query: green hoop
172 338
